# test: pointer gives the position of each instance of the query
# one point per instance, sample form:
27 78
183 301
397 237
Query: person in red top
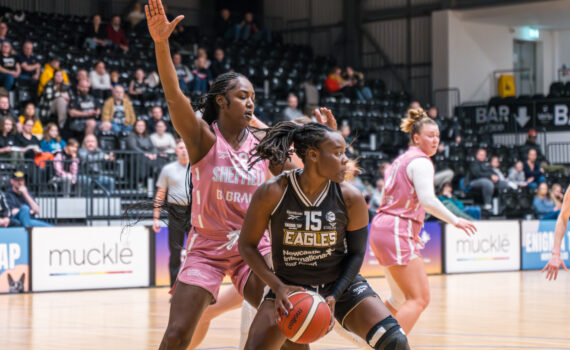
336 83
116 34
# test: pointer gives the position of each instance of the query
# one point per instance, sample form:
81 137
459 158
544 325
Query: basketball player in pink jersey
218 147
556 261
394 233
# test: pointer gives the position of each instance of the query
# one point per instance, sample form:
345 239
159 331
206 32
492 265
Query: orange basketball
308 320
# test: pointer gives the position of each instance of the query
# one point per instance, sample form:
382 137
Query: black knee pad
387 335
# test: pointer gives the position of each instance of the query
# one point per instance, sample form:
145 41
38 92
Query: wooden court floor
511 310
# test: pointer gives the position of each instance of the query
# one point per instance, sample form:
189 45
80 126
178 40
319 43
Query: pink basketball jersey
223 186
400 198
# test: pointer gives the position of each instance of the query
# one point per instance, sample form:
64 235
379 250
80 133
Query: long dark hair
276 145
207 103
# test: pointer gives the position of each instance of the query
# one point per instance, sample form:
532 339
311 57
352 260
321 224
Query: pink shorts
392 239
206 263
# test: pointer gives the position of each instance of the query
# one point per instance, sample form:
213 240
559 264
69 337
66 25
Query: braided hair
276 145
207 103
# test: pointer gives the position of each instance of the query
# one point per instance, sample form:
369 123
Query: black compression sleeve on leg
356 248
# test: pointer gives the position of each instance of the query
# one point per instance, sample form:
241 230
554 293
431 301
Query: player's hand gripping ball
308 320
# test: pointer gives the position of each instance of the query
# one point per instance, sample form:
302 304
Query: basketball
308 320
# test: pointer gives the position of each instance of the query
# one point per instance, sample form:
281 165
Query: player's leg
188 304
397 299
264 333
412 280
362 312
229 299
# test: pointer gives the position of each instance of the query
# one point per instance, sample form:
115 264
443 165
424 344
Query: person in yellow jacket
118 113
48 72
30 113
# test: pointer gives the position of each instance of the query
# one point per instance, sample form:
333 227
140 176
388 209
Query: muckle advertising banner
14 260
70 258
495 247
432 255
537 243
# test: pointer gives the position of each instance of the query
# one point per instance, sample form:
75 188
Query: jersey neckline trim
301 194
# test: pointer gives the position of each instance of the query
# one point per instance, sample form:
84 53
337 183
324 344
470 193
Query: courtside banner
431 238
162 257
495 247
537 243
14 260
68 258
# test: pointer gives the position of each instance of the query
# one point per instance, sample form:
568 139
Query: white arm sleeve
421 173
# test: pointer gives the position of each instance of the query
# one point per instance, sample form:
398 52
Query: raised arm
195 132
561 224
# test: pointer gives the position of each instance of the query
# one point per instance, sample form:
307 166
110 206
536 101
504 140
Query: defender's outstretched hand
158 25
325 116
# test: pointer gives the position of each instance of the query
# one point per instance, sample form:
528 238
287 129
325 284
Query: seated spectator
156 115
4 33
48 72
433 113
55 99
533 173
482 177
456 206
30 113
115 78
162 140
529 144
202 76
22 204
247 30
118 113
66 166
139 141
5 213
52 141
335 83
136 17
7 136
29 64
116 35
202 53
292 112
138 87
543 204
557 195
362 92
183 72
100 81
84 111
95 163
415 105
516 174
348 138
82 75
375 197
96 36
496 165
5 109
221 64
9 66
223 25
28 143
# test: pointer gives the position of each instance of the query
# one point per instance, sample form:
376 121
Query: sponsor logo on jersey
331 217
293 217
316 239
359 290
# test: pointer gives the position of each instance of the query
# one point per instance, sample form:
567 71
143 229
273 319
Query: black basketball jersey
308 240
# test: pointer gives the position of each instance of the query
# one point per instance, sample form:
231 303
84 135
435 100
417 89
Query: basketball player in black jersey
318 226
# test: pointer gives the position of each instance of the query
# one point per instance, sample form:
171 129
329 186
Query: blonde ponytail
414 122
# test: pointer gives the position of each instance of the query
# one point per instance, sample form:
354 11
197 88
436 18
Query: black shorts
355 293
